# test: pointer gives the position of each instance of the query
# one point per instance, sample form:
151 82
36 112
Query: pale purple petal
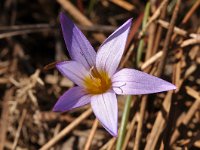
111 51
73 70
133 82
73 98
78 46
105 109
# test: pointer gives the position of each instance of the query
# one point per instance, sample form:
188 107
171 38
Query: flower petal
78 46
105 109
130 81
73 70
73 98
111 51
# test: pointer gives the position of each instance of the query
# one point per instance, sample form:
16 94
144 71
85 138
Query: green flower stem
141 43
124 121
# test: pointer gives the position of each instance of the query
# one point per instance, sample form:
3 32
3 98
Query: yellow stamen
97 82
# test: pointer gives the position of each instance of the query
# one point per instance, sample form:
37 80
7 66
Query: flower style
96 75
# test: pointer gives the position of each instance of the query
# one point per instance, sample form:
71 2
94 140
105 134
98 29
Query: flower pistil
97 82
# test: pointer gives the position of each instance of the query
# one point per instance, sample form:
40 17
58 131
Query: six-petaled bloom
96 75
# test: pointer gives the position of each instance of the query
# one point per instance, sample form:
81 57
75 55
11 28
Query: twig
66 130
110 145
124 4
98 28
188 72
95 27
177 30
15 33
190 12
151 60
9 145
159 124
91 135
140 123
190 42
168 38
159 30
151 39
170 123
78 16
26 27
4 80
193 93
84 134
21 121
4 117
177 70
105 146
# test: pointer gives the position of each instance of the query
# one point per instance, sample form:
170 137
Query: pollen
97 82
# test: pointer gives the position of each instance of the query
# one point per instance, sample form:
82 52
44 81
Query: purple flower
96 75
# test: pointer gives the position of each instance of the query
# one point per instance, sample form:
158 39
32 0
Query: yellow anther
97 83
